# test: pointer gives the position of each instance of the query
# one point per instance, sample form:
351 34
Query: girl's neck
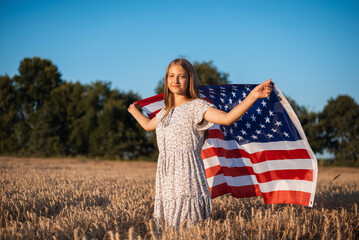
180 99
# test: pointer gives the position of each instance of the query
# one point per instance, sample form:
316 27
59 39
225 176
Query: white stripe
282 165
211 162
232 181
277 185
286 185
262 167
215 142
153 107
225 162
255 146
282 145
246 180
215 126
216 180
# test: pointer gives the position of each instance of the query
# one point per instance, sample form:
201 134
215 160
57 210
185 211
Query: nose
176 80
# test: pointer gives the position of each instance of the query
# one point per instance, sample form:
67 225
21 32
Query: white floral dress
182 190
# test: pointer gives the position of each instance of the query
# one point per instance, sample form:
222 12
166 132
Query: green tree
41 115
338 126
44 140
51 132
207 74
8 112
118 134
309 121
37 78
76 108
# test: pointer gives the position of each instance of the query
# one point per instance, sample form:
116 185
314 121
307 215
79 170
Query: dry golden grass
79 199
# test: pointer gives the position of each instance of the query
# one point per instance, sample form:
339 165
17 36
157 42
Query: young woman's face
178 80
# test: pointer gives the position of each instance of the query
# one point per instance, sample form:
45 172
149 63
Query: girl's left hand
264 89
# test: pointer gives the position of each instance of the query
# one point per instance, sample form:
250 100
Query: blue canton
265 121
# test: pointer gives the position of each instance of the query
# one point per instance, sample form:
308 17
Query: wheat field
88 199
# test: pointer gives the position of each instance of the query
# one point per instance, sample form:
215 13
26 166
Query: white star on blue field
259 123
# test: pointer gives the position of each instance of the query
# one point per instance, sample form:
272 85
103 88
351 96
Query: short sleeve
200 108
161 114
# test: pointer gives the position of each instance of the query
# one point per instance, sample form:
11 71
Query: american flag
265 153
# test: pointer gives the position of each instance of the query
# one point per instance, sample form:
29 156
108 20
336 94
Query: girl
182 192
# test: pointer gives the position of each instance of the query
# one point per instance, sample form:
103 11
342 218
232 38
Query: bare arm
220 117
145 122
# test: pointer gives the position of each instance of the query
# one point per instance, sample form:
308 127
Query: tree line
43 115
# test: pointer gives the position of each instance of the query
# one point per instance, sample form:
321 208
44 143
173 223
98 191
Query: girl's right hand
263 90
132 108
145 122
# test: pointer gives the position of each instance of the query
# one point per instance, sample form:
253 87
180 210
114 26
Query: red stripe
292 174
238 192
221 152
152 115
147 101
257 157
215 133
219 190
289 197
231 172
279 155
213 171
292 197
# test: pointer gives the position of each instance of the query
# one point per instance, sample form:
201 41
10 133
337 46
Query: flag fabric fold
265 153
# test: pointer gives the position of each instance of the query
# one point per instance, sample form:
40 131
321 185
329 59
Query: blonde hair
192 90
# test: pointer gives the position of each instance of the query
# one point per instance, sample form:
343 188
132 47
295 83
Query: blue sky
309 48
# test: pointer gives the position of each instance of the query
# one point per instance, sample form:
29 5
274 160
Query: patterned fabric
182 190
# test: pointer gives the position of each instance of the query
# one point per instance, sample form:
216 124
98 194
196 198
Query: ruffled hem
176 210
